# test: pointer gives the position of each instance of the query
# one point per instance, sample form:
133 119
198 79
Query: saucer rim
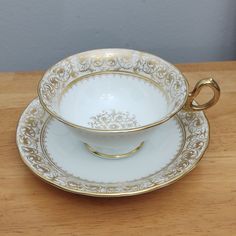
115 194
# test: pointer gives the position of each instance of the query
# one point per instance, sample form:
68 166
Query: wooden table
202 203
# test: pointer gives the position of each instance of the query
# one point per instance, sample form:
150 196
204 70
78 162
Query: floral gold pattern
113 120
29 141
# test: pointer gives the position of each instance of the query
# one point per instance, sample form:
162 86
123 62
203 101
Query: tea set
114 122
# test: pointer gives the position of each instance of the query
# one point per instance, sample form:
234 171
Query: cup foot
113 156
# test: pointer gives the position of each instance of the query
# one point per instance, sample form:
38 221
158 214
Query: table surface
202 203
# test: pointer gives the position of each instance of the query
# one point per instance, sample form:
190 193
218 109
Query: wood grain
202 203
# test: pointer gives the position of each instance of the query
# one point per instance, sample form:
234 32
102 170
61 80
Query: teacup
114 98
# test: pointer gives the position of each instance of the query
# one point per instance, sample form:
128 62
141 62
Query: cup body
112 99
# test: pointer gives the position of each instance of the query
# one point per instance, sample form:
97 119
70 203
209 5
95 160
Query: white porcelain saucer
55 154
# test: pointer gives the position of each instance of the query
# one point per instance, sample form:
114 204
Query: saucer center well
64 150
113 101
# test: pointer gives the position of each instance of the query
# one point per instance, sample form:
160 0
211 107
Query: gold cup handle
191 106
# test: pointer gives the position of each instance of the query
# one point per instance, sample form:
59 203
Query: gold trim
115 194
113 156
116 51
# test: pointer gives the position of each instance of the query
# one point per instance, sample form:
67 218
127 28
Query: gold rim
144 127
113 156
119 194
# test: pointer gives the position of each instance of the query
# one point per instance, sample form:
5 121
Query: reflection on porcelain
55 154
114 99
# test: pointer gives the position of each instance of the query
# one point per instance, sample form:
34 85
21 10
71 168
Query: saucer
55 154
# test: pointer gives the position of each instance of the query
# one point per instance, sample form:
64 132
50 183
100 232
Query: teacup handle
200 84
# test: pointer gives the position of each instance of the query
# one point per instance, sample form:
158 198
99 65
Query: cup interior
86 89
113 101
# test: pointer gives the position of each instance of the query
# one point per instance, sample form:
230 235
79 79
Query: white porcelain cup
112 99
